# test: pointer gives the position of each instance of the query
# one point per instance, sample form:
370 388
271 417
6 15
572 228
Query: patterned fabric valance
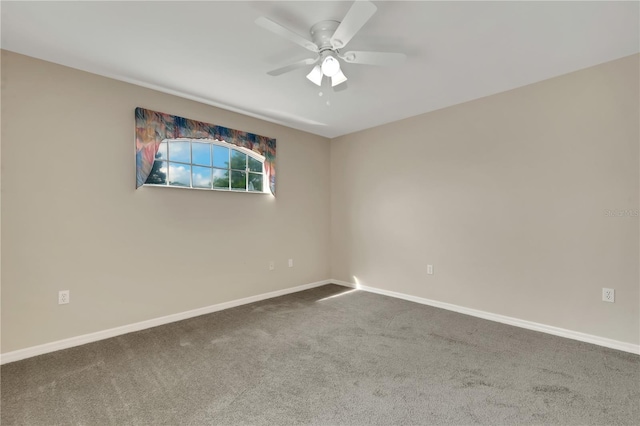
153 127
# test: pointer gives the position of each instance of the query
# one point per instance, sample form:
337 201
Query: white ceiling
214 53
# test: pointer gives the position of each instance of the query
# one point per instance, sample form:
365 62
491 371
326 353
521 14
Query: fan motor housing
322 32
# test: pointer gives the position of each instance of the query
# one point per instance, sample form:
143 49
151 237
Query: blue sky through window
180 151
220 156
201 154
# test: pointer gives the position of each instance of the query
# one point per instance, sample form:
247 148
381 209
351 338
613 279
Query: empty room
316 212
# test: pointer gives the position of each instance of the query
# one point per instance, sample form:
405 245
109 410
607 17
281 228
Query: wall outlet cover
63 297
608 295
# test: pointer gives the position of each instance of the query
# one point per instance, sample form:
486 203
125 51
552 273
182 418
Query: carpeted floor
327 356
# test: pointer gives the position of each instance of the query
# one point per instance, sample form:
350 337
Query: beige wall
506 197
72 219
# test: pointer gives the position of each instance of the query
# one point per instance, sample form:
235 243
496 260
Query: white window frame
230 146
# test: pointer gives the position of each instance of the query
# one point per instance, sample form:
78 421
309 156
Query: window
187 159
207 164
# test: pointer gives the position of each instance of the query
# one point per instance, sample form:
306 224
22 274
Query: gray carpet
357 358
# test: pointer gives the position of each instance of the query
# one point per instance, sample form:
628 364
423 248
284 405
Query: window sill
240 191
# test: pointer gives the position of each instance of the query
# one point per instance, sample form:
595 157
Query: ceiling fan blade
373 58
268 24
293 66
356 17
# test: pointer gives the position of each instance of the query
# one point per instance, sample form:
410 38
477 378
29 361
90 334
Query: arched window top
244 150
162 141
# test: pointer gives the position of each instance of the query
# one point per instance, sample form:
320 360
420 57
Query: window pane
179 174
238 160
201 177
179 151
255 165
255 182
158 175
238 180
162 152
201 153
220 157
220 178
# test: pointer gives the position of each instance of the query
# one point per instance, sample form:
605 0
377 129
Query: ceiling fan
327 40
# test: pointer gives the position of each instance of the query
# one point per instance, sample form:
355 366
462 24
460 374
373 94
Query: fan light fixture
328 38
338 78
331 68
315 76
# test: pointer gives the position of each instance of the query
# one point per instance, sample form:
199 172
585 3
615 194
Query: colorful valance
153 127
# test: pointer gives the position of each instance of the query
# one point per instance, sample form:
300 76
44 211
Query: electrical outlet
63 297
272 265
608 295
290 263
429 269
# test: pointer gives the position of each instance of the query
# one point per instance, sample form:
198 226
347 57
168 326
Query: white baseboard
530 325
117 331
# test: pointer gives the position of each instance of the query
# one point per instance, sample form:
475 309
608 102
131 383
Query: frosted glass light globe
330 66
